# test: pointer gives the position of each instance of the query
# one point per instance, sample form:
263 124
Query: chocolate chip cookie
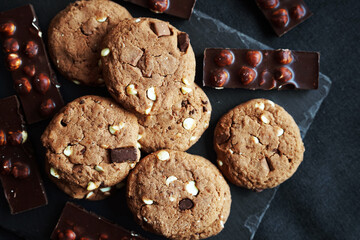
75 34
258 145
146 62
178 195
178 128
91 146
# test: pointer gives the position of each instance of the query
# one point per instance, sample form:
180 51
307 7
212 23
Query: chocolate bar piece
178 8
77 223
284 15
120 155
19 175
26 58
260 69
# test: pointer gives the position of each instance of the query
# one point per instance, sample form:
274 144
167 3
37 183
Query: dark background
322 200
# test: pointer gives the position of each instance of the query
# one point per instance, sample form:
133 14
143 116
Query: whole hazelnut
158 6
15 138
29 70
219 77
68 234
297 12
22 85
103 236
225 58
42 83
20 170
268 4
8 28
2 138
5 167
284 56
247 75
13 61
280 17
31 49
47 107
253 58
11 45
283 74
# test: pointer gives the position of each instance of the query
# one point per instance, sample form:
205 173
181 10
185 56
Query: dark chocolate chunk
26 53
160 29
262 69
19 175
183 41
284 15
77 223
186 204
120 155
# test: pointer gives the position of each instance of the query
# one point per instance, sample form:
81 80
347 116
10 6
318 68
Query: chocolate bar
77 223
19 175
26 58
284 15
260 69
178 8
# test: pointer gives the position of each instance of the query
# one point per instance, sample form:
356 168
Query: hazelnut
268 4
15 138
22 85
284 56
68 234
253 58
13 61
20 170
8 28
5 167
47 107
29 70
2 138
297 12
280 17
31 49
42 83
283 74
11 45
158 6
103 236
247 75
219 77
225 58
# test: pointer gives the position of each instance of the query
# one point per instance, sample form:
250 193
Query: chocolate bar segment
178 8
19 175
260 69
77 223
26 58
284 15
126 154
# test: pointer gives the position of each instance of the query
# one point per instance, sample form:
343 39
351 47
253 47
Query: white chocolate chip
185 81
54 173
222 223
105 146
264 119
191 188
220 163
89 195
101 19
137 20
148 110
271 103
150 93
105 189
193 138
131 89
163 155
231 151
279 132
206 124
178 135
68 151
189 123
148 201
219 88
255 139
91 186
99 168
145 219
185 90
24 136
170 180
139 137
76 82
132 165
105 52
171 198
260 106
114 129
138 145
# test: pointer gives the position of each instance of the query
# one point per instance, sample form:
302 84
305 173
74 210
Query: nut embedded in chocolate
68 234
20 170
158 6
42 83
283 74
13 61
47 107
31 49
253 58
29 70
15 138
23 85
8 28
103 236
225 58
297 12
284 56
280 17
11 45
2 138
219 77
183 41
268 4
5 167
186 204
247 75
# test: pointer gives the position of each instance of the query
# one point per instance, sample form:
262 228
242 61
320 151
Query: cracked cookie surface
79 141
145 64
178 195
178 128
258 145
75 35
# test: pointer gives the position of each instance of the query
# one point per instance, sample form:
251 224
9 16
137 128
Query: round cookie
258 145
81 144
146 64
178 195
178 128
75 34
